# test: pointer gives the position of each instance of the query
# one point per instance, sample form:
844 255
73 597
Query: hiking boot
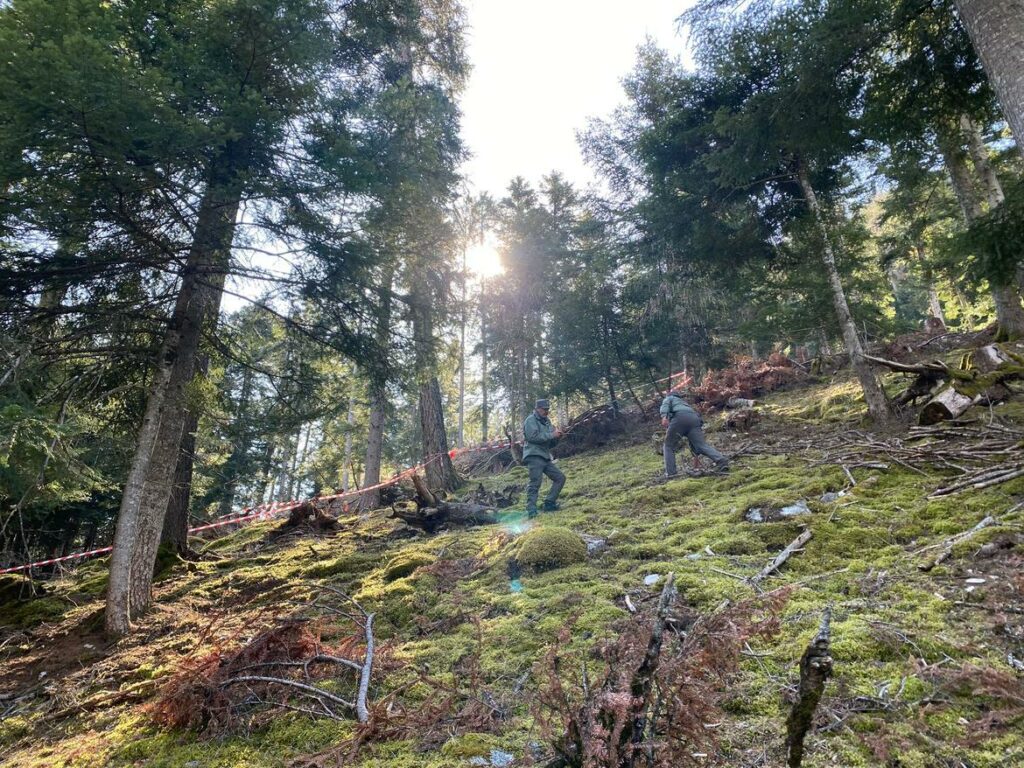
531 513
551 506
722 468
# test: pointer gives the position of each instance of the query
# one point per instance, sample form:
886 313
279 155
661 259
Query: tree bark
996 28
148 487
378 394
439 469
878 404
484 406
175 530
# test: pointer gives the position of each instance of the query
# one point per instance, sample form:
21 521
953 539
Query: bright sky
541 68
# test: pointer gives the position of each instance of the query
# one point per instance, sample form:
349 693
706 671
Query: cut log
794 546
947 404
815 670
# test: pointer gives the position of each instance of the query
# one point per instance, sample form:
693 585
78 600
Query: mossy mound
14 588
404 565
543 549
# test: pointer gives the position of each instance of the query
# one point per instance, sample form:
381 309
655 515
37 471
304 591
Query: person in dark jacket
684 421
540 437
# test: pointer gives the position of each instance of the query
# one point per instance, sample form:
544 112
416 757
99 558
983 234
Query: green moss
544 548
404 565
33 612
13 728
469 745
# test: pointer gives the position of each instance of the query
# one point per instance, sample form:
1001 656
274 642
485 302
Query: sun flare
484 261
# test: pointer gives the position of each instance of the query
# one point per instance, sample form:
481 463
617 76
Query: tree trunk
439 469
350 421
934 305
378 394
996 28
175 530
878 404
1009 312
484 406
148 486
461 438
993 189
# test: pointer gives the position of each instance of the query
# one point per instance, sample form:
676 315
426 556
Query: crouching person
684 421
540 437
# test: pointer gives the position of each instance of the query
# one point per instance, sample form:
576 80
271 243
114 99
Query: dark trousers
688 424
538 467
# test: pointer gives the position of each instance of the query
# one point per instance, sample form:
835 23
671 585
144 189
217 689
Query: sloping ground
922 676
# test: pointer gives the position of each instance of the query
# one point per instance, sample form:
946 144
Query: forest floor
924 661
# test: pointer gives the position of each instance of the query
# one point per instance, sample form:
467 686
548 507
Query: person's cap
544 403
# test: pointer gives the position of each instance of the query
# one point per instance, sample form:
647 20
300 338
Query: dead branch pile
465 705
283 667
977 455
747 379
596 428
659 688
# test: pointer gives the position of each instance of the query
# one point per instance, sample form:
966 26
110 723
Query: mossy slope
895 629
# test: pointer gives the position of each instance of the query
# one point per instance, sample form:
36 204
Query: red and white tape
262 512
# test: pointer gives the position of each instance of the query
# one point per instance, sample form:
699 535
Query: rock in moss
403 565
544 548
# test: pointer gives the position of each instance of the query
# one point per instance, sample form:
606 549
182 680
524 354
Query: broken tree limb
952 541
794 546
362 711
815 670
936 366
643 679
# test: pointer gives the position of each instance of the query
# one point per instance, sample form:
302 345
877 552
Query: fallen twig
782 557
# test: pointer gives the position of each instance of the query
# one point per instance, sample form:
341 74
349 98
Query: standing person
540 437
684 421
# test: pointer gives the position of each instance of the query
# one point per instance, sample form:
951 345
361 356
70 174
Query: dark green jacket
540 437
672 405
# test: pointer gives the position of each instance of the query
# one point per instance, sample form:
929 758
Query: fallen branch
311 690
815 670
948 544
793 547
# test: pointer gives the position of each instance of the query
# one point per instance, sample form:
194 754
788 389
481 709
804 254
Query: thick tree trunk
374 445
878 404
439 469
996 28
148 487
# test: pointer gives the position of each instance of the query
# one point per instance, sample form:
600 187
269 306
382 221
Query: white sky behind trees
541 68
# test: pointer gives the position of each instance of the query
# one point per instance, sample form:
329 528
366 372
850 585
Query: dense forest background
233 241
